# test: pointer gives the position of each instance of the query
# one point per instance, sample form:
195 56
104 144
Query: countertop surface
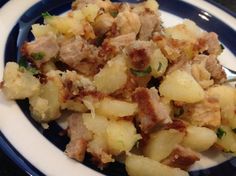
8 168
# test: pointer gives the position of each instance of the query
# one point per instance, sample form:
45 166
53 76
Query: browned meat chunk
205 113
140 54
41 50
150 23
81 56
216 70
177 125
209 44
112 46
181 157
151 111
103 23
79 137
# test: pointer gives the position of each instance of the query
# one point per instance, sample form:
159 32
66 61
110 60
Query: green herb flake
33 70
159 66
222 46
141 73
220 133
46 15
114 13
38 56
23 63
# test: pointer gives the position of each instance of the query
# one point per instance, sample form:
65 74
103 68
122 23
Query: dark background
8 168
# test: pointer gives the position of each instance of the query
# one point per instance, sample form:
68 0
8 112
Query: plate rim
9 153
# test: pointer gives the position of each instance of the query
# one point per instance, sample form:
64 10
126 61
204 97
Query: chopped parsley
220 133
23 64
33 70
38 56
114 13
46 15
141 73
159 66
222 46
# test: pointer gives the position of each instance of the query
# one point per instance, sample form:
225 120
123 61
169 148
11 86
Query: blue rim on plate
21 32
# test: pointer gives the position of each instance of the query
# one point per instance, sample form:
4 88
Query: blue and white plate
39 151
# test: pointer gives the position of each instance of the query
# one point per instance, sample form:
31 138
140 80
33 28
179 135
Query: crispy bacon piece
79 137
151 110
181 157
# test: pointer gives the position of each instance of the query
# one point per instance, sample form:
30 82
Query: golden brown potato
226 139
199 138
143 166
113 76
158 63
19 84
161 144
187 31
181 86
121 136
113 108
227 99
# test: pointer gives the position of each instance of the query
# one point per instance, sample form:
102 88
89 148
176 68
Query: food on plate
154 96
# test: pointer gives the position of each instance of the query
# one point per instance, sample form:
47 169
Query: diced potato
142 166
65 25
51 94
98 147
39 30
181 86
19 84
228 140
121 136
226 96
128 22
113 76
90 12
152 5
97 124
188 31
112 108
158 63
199 138
161 144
